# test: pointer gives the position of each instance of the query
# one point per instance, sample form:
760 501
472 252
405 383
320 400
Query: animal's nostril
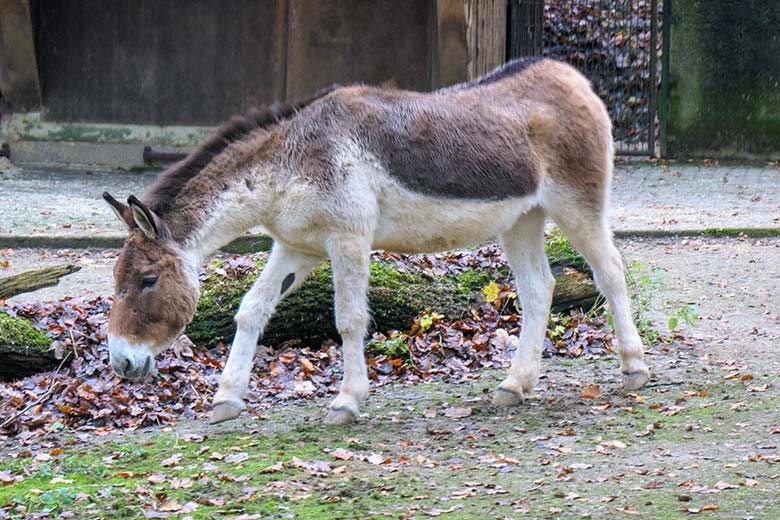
147 365
127 366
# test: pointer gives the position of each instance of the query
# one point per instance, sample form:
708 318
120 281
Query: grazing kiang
358 168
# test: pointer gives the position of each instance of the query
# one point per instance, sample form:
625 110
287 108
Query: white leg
524 249
285 271
594 240
350 258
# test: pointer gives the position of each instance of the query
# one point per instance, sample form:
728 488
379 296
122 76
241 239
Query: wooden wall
196 62
19 88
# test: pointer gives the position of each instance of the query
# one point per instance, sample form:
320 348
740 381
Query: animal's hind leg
285 271
590 235
524 249
349 258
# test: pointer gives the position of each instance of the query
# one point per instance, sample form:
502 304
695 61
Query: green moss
737 232
394 297
560 251
471 281
18 334
386 275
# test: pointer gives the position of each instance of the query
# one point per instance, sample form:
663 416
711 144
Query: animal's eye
148 282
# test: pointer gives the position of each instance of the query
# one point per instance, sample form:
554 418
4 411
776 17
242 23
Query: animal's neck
223 203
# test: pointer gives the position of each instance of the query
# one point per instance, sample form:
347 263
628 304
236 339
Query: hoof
338 416
224 411
507 397
636 379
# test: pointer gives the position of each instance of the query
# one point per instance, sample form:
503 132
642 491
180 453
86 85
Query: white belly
413 223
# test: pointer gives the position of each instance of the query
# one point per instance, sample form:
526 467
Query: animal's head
156 291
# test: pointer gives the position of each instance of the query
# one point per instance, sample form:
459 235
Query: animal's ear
122 211
151 225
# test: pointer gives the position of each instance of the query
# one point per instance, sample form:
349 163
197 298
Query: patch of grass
395 346
644 284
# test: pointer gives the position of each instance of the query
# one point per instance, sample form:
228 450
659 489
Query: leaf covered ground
699 441
86 395
686 446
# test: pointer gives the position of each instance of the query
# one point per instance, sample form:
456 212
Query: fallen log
25 350
395 299
29 281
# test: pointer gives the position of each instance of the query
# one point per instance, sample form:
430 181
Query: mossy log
395 299
29 281
24 350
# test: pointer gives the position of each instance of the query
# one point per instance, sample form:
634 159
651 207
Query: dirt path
701 439
734 284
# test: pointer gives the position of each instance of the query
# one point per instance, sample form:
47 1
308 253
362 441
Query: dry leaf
458 412
235 458
342 454
591 392
273 468
171 461
156 478
377 459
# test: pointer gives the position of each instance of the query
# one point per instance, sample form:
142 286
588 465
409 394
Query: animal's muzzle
127 360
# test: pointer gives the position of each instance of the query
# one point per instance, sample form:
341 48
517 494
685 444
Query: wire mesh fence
616 43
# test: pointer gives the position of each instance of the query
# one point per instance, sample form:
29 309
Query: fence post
525 29
663 111
653 111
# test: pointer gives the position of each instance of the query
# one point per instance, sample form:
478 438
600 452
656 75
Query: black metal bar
663 111
150 156
5 151
653 111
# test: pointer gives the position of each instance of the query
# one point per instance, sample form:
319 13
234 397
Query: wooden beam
486 21
450 64
19 82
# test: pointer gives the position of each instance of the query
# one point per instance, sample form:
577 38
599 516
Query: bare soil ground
701 439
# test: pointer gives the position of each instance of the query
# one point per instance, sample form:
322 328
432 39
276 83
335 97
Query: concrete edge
242 245
757 232
255 243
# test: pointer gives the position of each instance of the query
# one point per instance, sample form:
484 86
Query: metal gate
614 42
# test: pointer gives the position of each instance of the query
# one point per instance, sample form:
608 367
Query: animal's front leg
524 249
349 258
285 271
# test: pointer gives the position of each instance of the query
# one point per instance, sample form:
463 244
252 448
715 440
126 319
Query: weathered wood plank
19 82
350 41
146 61
486 20
452 52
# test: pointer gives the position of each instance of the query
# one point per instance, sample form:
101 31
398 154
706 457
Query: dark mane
170 182
509 68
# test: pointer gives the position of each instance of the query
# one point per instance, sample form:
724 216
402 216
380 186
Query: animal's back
490 139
